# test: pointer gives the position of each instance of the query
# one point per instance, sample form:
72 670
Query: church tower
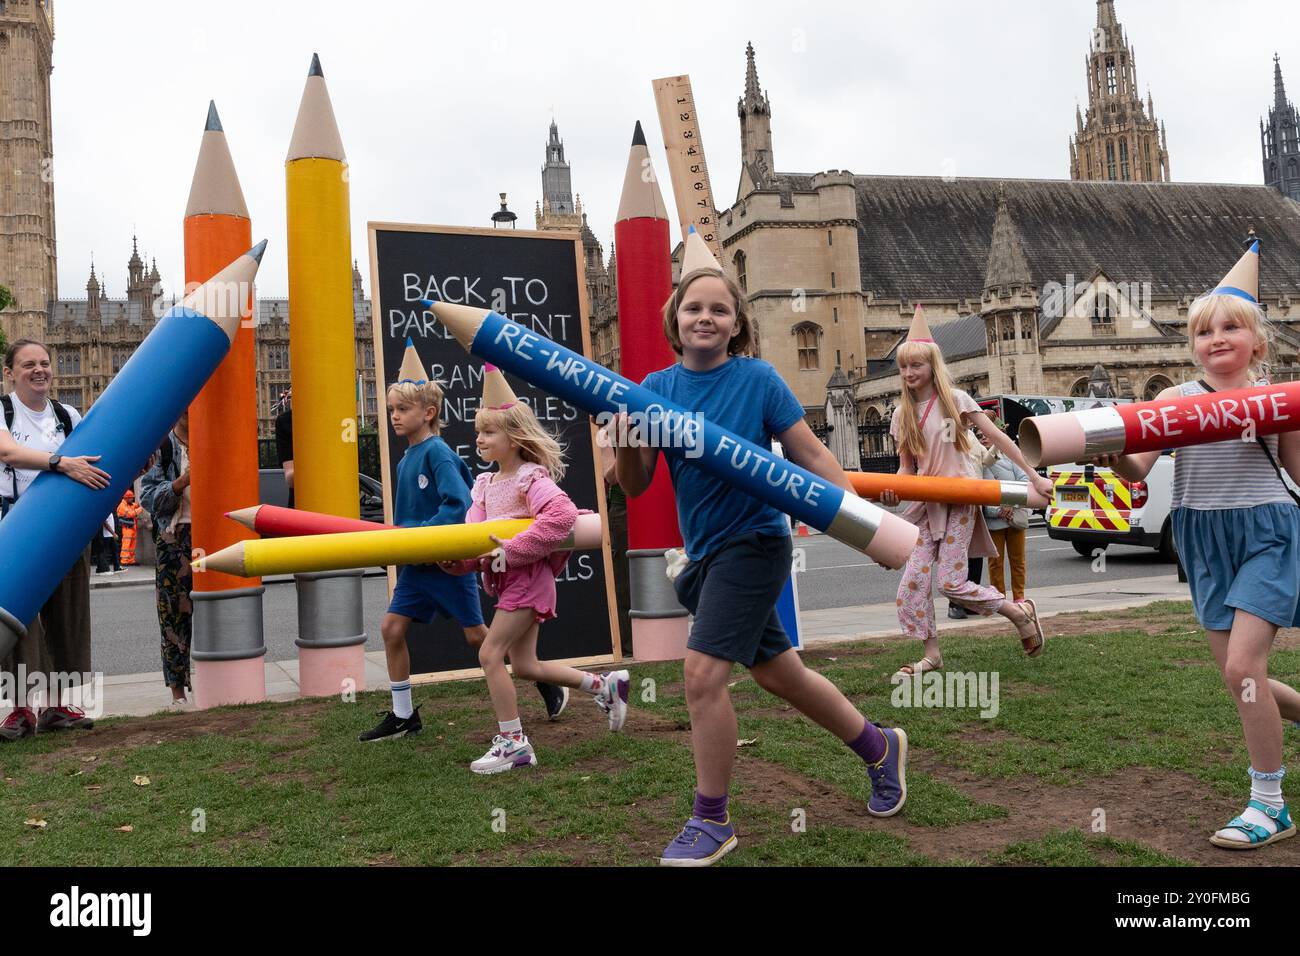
1119 138
755 114
27 252
558 209
1279 140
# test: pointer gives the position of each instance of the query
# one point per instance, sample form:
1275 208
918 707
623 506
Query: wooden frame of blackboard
381 386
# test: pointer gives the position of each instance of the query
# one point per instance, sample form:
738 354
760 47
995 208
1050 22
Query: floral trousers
947 558
173 580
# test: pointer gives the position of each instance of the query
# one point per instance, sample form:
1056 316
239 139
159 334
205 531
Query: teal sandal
1257 835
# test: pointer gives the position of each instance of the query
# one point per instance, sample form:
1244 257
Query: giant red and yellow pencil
953 491
322 359
223 443
660 625
384 546
1164 423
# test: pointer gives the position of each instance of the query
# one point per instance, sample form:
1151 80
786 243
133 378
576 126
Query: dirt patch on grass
1288 638
1076 623
1172 813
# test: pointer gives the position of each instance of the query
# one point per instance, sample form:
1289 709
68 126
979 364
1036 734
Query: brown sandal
1033 645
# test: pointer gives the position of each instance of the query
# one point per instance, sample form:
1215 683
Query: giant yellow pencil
322 359
422 545
322 337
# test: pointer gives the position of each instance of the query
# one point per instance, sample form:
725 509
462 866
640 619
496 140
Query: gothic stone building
27 252
90 339
1027 284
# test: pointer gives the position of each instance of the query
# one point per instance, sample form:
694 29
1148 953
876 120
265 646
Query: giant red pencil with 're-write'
1240 414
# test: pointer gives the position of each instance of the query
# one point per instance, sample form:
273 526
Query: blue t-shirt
432 485
747 397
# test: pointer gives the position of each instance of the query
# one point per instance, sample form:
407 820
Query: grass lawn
1118 747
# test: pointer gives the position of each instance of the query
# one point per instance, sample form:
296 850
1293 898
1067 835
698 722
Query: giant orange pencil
660 625
953 491
228 647
322 361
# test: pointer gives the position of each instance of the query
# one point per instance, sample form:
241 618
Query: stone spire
755 114
1120 138
1007 266
1279 139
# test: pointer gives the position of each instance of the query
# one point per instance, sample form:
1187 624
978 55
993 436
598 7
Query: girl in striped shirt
1237 530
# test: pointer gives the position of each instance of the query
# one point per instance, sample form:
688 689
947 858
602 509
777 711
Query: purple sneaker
889 775
612 698
701 843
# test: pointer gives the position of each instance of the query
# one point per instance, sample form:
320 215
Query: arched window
1123 162
742 278
1103 320
807 336
1110 75
1291 171
1110 160
1079 389
1154 386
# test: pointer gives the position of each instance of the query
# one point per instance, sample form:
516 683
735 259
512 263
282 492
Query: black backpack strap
1277 469
8 403
64 417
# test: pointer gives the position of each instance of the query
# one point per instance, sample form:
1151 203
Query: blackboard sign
534 278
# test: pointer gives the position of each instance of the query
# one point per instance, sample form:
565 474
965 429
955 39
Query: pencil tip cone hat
697 255
920 331
1243 278
497 392
412 370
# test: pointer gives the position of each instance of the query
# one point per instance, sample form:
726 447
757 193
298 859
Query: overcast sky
443 105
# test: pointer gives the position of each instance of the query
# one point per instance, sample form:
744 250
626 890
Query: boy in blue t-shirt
432 488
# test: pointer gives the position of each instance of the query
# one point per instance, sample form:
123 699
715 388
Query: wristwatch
54 462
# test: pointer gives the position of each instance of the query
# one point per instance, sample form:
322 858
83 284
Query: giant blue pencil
545 364
48 528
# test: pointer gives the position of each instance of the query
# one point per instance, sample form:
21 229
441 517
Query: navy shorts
732 593
424 590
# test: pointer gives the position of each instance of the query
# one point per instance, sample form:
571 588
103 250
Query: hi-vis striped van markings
1102 514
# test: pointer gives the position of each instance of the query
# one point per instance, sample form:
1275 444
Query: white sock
511 727
1266 791
402 699
592 683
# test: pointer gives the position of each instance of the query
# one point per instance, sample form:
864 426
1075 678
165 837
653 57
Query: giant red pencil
1178 422
272 521
644 275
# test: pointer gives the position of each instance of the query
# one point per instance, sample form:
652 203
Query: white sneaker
179 703
506 753
612 698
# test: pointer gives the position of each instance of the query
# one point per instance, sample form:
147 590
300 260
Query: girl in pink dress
931 427
521 572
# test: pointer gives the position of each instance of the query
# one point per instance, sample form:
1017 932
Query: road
126 626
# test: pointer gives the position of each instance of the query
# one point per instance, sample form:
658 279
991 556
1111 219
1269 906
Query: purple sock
870 744
710 808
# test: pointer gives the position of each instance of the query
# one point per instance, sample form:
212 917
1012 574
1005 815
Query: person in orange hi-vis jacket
127 510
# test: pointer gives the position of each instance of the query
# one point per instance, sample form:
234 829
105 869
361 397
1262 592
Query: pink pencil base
660 638
1052 440
893 542
220 683
331 671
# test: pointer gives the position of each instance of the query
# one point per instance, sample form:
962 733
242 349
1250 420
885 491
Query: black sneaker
392 726
556 697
